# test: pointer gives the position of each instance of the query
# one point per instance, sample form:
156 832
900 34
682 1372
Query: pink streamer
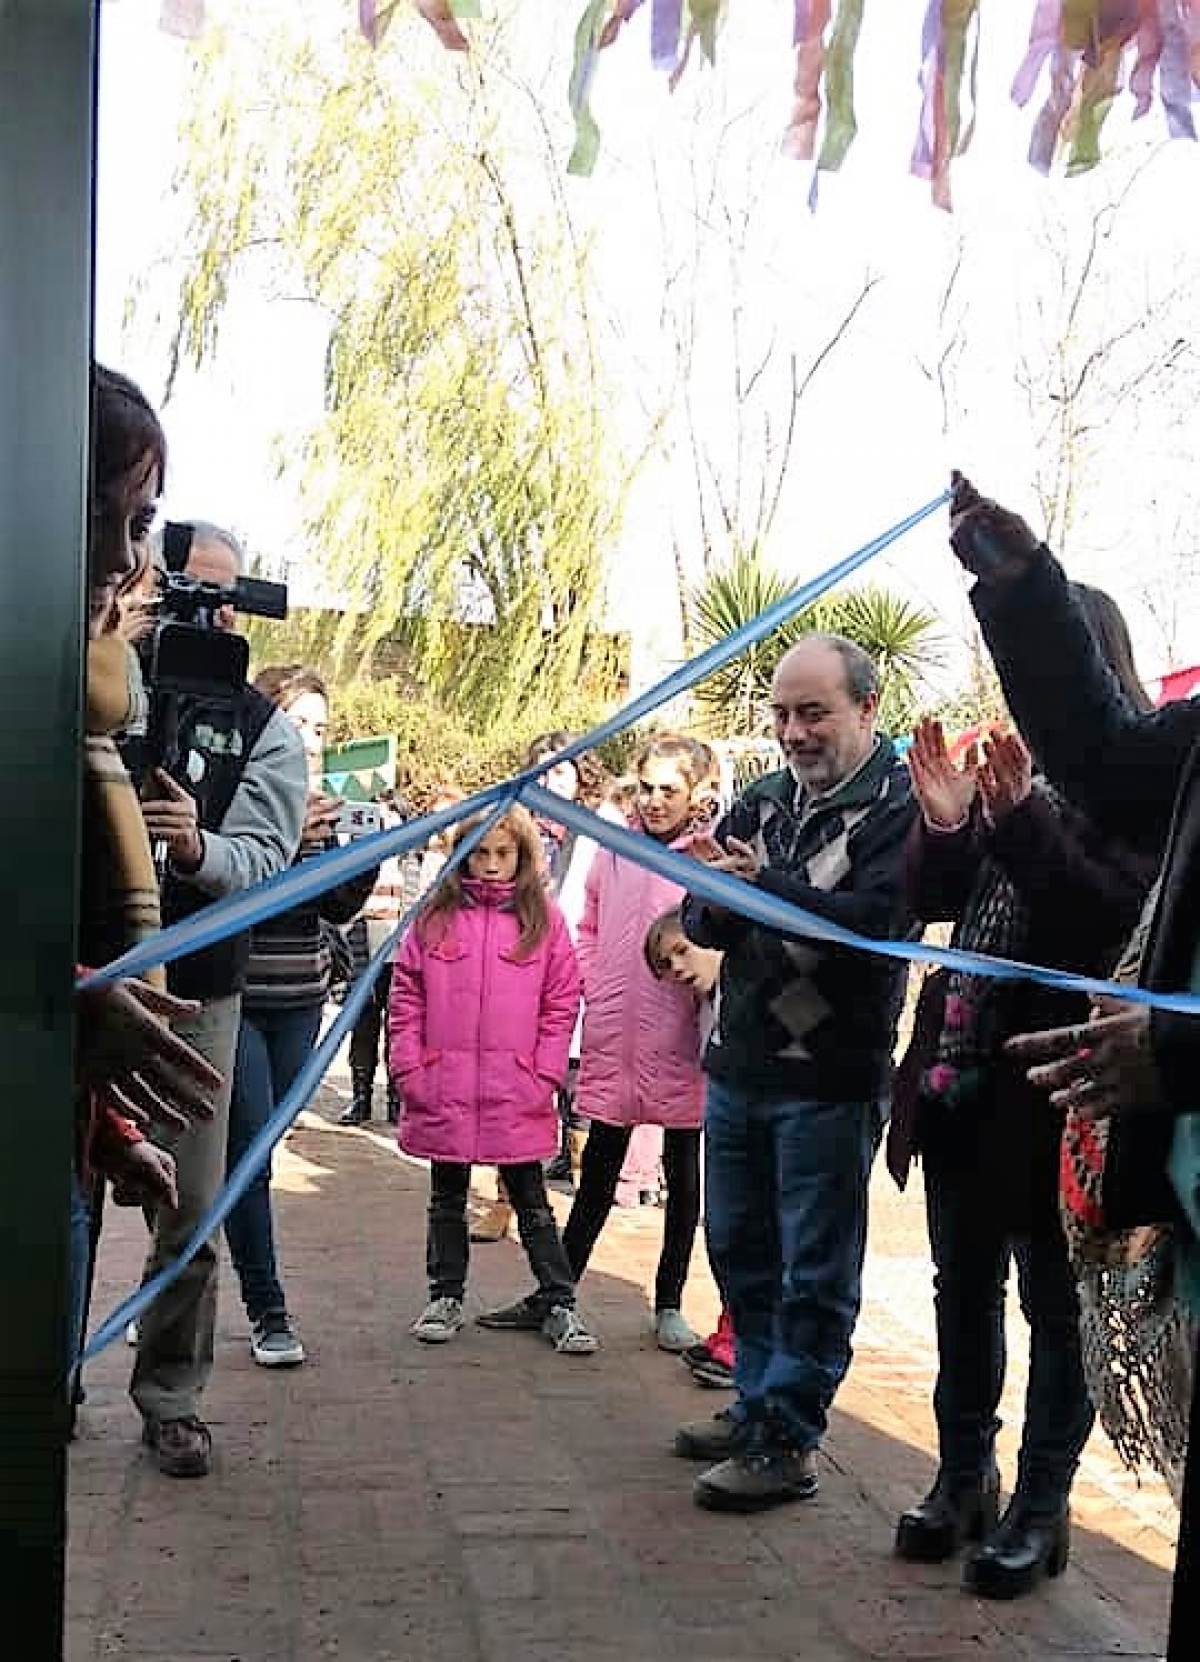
1149 51
800 138
621 13
437 13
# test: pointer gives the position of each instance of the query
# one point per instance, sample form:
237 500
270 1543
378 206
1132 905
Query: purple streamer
1044 35
666 25
801 20
1064 69
1175 70
927 79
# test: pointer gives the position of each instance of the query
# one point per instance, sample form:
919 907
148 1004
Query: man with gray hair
798 1067
227 812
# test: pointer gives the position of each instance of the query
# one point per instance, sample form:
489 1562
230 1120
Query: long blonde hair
529 896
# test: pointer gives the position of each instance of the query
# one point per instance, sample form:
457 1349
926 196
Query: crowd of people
564 1013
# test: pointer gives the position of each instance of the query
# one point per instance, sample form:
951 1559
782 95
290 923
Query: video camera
188 655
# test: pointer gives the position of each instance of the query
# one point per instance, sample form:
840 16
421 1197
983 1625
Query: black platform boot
361 1105
1027 1544
955 1510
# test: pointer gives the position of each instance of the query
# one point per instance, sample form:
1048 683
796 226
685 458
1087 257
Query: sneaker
712 1373
713 1439
671 1332
182 1448
568 1332
440 1322
766 1471
526 1315
272 1342
132 1335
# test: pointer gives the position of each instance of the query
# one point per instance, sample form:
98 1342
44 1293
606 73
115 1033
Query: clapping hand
1006 773
944 790
736 857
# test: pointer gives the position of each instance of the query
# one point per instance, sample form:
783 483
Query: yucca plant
902 638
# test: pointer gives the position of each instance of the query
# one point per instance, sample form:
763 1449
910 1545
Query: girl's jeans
272 1047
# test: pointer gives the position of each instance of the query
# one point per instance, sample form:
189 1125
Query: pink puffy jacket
478 1039
639 1061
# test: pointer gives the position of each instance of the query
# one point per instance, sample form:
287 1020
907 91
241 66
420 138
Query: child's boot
496 1222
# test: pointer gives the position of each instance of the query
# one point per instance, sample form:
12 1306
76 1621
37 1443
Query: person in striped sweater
286 986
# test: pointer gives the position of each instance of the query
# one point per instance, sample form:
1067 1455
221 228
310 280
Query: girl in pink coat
485 991
640 1055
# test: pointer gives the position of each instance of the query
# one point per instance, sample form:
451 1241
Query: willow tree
461 484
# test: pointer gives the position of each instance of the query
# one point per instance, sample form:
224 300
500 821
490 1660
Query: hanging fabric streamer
808 39
1089 51
589 37
949 65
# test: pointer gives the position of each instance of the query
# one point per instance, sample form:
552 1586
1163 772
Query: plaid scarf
1138 1338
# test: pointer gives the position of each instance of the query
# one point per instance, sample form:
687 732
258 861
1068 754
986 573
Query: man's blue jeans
272 1047
786 1216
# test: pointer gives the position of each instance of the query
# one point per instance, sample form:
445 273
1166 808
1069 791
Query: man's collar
856 788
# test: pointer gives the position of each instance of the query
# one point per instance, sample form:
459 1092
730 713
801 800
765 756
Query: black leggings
603 1156
447 1251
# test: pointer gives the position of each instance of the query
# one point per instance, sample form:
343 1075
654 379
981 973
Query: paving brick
489 1501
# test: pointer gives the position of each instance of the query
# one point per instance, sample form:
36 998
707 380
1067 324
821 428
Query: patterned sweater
800 1017
289 960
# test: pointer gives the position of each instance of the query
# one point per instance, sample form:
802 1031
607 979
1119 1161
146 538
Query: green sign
360 769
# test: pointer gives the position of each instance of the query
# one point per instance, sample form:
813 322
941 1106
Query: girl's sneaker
672 1333
568 1332
440 1322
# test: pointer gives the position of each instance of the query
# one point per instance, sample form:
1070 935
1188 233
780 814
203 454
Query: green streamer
587 43
841 128
706 17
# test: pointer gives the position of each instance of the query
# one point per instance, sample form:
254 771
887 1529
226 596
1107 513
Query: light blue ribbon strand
735 894
236 913
259 1151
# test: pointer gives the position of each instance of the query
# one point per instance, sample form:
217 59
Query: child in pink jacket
485 991
640 1055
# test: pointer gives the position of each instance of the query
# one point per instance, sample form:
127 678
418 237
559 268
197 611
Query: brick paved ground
491 1502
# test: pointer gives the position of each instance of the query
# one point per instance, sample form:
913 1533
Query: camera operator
224 805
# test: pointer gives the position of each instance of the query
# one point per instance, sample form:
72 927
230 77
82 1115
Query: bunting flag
1082 56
